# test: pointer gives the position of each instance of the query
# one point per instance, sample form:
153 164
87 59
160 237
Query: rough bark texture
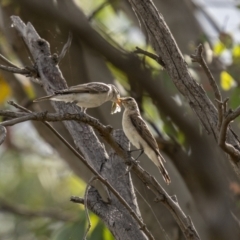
166 47
200 179
83 135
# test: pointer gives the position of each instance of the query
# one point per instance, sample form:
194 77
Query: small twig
12 103
153 213
15 70
198 57
151 55
27 71
65 48
8 62
86 206
77 154
43 117
51 117
145 177
76 199
231 150
225 105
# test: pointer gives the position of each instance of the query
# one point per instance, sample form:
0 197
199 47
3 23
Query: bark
204 170
166 47
83 135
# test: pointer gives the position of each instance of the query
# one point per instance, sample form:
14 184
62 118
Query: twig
65 48
15 70
36 46
27 71
77 154
86 207
8 61
145 177
153 213
151 55
225 105
51 117
198 57
42 117
76 199
230 149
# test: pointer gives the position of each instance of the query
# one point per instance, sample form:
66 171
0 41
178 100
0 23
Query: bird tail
44 98
163 170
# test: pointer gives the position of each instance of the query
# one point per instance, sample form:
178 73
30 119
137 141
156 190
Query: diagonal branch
166 47
222 141
161 195
83 135
198 57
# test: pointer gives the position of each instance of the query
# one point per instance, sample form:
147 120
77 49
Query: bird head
129 103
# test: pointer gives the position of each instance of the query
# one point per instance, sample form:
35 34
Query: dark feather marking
143 131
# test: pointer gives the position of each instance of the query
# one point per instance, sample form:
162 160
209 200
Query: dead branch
166 47
198 57
161 195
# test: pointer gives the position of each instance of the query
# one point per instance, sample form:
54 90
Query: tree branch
82 134
165 46
84 137
198 57
151 55
161 195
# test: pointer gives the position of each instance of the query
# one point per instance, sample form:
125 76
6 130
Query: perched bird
140 136
88 95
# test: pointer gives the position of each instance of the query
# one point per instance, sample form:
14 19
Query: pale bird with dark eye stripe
140 136
88 95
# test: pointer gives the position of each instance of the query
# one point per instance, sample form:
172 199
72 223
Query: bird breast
131 132
137 140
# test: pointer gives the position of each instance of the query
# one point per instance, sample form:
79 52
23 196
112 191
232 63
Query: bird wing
93 88
144 131
44 98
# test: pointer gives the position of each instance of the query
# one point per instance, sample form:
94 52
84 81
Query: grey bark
83 135
204 168
166 47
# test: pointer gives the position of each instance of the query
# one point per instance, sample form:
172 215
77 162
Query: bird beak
116 106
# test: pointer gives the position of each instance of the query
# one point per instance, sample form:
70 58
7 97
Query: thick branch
83 135
182 220
165 46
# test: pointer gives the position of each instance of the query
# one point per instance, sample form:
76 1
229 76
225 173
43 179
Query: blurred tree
104 35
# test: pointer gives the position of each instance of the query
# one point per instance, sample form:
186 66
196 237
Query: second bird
88 95
140 136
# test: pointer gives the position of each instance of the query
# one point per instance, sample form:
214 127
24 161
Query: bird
87 95
138 133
